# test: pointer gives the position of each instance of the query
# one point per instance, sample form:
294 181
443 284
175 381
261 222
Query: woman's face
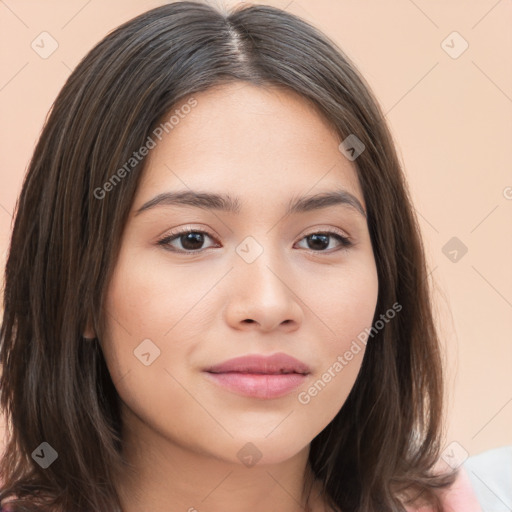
256 281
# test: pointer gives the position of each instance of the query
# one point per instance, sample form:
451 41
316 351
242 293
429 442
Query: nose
263 295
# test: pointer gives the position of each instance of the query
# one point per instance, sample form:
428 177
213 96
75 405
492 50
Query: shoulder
484 482
459 497
490 473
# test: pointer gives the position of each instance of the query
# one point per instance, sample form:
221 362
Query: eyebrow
230 204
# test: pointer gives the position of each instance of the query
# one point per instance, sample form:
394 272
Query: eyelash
346 242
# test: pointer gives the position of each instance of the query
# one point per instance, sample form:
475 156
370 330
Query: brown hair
55 386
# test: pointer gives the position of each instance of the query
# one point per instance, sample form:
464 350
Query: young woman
216 296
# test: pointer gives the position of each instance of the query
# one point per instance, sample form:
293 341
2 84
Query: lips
259 376
275 364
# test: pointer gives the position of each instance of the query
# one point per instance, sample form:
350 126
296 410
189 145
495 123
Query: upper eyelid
187 229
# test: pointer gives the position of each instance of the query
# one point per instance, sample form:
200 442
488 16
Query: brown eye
318 242
190 240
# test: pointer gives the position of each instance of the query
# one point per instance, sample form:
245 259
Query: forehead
243 137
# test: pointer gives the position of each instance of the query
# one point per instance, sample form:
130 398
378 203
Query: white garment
490 474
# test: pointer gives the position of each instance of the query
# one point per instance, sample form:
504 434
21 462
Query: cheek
144 314
149 297
352 310
136 326
152 307
345 303
347 310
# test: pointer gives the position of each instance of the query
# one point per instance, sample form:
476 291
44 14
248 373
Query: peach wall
449 108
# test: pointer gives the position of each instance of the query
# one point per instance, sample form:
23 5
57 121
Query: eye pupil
192 237
324 241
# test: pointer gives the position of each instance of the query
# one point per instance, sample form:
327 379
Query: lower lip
256 385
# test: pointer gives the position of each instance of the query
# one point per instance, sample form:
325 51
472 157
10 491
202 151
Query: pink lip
260 376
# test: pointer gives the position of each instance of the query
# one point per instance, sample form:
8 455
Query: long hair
55 386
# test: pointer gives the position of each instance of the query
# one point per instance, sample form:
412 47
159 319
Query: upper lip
257 363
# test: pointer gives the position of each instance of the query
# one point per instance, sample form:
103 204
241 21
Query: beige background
452 121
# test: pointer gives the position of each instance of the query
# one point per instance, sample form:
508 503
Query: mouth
254 372
258 385
275 364
259 376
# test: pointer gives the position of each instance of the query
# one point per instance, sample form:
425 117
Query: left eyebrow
324 200
229 204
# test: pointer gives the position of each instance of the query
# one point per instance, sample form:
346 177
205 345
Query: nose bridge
259 264
261 291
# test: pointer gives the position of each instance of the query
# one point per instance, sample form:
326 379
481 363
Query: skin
182 432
